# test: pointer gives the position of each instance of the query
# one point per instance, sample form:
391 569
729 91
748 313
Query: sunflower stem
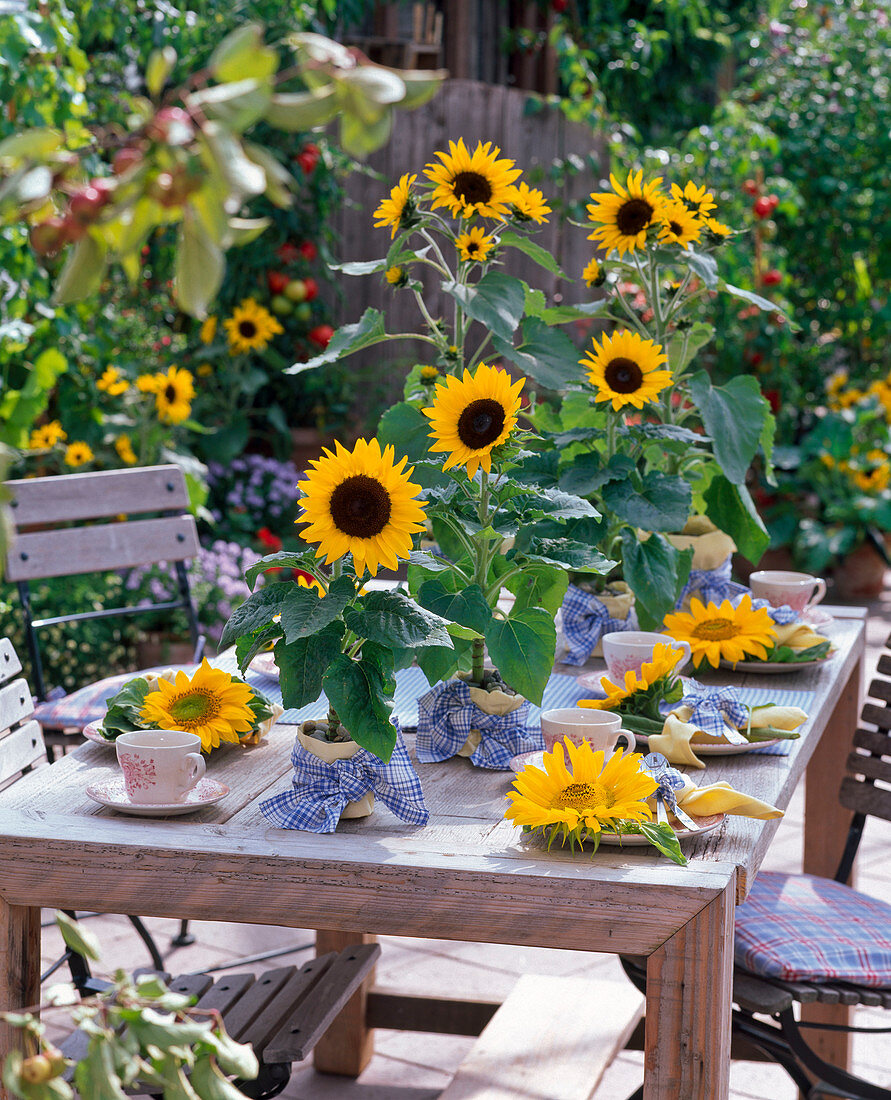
477 661
333 723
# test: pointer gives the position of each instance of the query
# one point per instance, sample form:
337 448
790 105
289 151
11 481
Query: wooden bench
551 1039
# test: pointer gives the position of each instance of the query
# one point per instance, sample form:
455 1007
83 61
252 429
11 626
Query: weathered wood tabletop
467 875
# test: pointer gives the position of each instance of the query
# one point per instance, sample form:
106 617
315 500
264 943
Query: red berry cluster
308 158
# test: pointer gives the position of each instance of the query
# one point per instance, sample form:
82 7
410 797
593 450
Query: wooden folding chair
282 1013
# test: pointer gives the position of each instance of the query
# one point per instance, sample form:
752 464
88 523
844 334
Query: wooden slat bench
538 1045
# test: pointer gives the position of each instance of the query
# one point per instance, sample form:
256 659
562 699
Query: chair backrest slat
76 497
21 740
870 762
864 798
10 665
100 548
19 749
15 703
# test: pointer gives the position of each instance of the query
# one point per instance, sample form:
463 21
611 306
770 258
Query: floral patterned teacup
599 728
160 766
628 650
782 586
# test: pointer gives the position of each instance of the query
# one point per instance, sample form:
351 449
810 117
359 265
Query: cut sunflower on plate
724 632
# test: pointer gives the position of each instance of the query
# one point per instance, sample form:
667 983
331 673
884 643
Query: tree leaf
656 572
496 301
522 649
77 937
199 267
243 54
393 619
546 354
467 607
304 611
364 333
158 69
733 416
731 508
662 503
362 694
83 271
302 664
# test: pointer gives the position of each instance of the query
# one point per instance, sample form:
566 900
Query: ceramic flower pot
329 751
860 575
710 546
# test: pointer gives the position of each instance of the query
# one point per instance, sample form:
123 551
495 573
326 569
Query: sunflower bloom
472 183
723 633
662 664
718 228
593 274
528 204
582 800
148 383
473 415
125 451
695 197
78 454
208 329
306 580
475 244
112 382
48 436
251 327
623 217
626 370
678 225
211 703
396 276
361 502
173 396
399 209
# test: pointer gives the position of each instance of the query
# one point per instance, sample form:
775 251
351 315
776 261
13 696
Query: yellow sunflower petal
723 633
626 370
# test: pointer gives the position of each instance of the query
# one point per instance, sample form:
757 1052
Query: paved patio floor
412 1066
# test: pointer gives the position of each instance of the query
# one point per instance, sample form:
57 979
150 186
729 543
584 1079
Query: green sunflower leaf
656 573
731 508
282 559
362 694
303 663
546 354
522 649
365 333
662 503
391 618
467 607
734 416
662 837
304 612
438 663
496 301
256 611
249 645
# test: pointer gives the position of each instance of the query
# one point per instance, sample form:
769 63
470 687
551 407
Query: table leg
19 968
348 1044
825 831
689 992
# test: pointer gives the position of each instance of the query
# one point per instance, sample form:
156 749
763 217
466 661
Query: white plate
772 667
816 616
721 748
111 793
91 732
264 663
590 681
517 763
637 840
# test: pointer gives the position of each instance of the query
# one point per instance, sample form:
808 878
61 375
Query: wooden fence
476 112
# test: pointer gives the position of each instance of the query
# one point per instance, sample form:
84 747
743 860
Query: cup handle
821 592
197 768
630 741
685 646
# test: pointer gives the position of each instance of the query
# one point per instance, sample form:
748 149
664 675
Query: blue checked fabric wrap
447 714
585 620
782 615
711 585
710 706
320 790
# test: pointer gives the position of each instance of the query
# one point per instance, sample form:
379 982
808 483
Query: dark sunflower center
170 393
633 216
473 247
360 507
623 375
471 187
247 329
481 423
676 228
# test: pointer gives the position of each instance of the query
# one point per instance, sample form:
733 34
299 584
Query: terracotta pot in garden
155 650
860 575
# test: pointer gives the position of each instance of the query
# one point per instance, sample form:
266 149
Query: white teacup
628 650
576 724
781 586
159 766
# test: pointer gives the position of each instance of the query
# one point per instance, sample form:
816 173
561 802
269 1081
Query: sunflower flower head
396 276
112 382
148 383
626 369
78 453
473 415
208 329
577 802
211 703
399 211
125 451
717 230
474 245
724 632
528 204
678 224
468 183
657 679
251 327
695 197
361 502
593 275
624 215
173 395
47 436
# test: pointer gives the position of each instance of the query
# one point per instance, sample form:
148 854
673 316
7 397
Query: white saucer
111 793
91 732
772 668
536 759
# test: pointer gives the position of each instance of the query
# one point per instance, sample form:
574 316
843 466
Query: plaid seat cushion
803 928
87 704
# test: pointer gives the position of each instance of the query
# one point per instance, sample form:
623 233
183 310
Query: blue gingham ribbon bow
585 620
711 706
670 780
320 789
447 714
782 615
711 585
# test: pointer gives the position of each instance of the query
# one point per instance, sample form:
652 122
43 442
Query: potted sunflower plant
332 633
662 450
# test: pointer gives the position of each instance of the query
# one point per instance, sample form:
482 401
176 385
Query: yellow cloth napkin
797 636
721 798
674 742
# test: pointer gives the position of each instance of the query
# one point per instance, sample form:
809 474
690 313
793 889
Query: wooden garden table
468 875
